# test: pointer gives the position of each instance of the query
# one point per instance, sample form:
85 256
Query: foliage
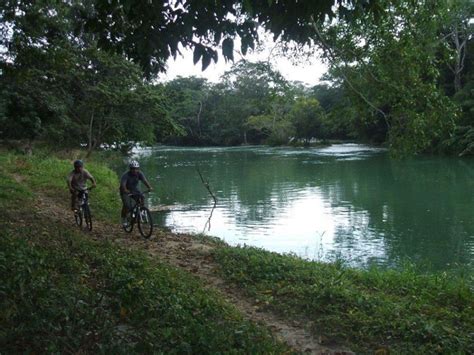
255 104
307 118
340 116
149 33
391 68
70 294
367 309
72 72
66 90
248 106
462 141
188 97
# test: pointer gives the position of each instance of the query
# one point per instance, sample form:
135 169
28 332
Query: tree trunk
90 145
199 119
460 55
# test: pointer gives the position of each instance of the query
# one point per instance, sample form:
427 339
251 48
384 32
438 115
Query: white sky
308 73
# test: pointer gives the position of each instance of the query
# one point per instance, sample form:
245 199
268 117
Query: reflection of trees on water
419 208
415 204
245 182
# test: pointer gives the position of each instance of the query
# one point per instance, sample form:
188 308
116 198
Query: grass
402 311
60 291
47 173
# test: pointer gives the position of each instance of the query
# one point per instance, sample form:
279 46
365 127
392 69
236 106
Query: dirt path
193 255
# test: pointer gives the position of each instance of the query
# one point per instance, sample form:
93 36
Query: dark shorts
126 201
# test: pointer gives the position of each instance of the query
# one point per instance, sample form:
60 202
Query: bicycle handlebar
84 190
138 193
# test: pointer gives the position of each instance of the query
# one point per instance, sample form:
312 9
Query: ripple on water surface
347 201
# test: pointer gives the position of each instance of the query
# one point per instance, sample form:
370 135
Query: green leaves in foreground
63 293
404 311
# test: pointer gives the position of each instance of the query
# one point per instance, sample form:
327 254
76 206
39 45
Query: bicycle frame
83 212
83 196
139 200
139 214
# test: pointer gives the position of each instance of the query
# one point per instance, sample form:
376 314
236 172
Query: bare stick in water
206 185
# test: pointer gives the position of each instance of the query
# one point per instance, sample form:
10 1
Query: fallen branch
206 185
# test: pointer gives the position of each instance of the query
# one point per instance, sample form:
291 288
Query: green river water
347 201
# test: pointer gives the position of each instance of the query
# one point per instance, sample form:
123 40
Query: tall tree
391 67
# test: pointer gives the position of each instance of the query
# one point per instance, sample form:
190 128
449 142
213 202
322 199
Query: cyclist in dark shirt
129 185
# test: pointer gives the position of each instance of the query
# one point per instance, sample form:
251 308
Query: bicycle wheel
145 222
88 217
129 227
78 217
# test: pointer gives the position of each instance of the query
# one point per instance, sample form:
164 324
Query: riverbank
112 283
64 290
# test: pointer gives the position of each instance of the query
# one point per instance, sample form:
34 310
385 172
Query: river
349 202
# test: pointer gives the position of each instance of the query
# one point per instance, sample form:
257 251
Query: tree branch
206 185
332 59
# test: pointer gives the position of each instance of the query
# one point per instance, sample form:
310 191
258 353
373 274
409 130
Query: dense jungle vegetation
84 72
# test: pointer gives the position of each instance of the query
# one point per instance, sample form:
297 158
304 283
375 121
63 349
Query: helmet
78 163
133 164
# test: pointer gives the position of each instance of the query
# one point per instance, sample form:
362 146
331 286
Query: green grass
69 294
60 291
48 174
366 309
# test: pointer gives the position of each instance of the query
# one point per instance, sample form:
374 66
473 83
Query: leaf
228 49
206 60
198 52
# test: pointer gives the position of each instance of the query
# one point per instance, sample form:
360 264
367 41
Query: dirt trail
194 256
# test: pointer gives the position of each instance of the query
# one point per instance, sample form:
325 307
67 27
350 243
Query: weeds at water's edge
365 309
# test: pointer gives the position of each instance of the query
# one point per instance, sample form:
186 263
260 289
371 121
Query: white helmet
133 164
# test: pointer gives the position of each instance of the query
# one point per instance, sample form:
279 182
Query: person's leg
125 206
73 201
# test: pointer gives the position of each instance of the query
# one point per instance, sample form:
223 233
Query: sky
308 73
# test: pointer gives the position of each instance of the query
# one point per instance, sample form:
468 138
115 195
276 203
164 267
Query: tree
256 89
458 30
338 121
37 95
390 65
307 118
108 92
63 89
189 96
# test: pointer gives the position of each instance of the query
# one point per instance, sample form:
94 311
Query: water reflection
348 201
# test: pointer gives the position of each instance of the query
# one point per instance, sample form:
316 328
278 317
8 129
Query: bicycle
84 212
140 215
